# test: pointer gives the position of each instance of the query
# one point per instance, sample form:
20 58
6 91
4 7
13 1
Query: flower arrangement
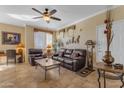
108 30
108 59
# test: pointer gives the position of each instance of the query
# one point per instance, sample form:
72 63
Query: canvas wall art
11 38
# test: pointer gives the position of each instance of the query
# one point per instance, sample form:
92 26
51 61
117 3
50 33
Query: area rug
85 72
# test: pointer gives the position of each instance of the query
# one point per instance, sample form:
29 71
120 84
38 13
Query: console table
101 67
20 57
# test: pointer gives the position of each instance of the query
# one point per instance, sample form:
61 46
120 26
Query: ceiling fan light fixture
46 18
48 21
47 15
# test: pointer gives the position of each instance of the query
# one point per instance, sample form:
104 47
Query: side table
101 67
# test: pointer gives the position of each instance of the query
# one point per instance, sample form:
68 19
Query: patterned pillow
68 51
61 54
74 55
80 54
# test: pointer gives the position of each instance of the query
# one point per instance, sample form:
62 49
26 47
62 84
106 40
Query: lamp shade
20 45
49 46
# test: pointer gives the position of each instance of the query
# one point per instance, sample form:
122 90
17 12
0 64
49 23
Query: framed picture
11 38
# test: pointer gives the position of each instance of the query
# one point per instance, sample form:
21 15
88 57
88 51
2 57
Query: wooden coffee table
47 64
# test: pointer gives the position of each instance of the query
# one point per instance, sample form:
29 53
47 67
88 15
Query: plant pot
107 58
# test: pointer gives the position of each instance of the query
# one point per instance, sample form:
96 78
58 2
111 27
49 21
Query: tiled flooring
26 76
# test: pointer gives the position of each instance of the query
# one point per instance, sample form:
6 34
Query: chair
11 54
35 54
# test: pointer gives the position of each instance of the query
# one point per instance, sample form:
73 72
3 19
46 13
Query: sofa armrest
77 58
31 61
78 64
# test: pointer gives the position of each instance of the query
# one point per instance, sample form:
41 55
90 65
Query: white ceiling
21 15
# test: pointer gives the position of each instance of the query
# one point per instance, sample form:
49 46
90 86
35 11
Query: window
42 39
48 38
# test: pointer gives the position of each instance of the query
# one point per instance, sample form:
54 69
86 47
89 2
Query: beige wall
10 28
27 37
88 27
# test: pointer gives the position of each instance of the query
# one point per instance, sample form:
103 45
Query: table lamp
49 48
20 48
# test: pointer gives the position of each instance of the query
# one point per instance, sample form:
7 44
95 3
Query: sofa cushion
55 57
68 51
68 61
38 55
35 51
38 58
32 55
60 59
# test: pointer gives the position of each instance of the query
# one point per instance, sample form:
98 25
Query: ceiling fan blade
53 12
55 18
37 10
37 17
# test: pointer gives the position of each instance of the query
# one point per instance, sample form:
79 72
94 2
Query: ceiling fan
46 15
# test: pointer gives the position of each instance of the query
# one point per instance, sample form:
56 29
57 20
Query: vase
107 58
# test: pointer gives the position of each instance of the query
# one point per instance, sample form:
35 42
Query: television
11 38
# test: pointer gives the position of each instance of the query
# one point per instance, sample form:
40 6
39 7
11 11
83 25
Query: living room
72 44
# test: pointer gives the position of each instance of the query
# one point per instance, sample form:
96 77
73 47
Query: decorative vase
107 58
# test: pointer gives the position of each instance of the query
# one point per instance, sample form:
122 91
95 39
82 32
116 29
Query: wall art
11 38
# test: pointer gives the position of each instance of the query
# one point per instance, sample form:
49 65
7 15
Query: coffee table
47 64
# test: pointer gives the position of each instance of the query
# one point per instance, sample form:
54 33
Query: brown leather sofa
72 59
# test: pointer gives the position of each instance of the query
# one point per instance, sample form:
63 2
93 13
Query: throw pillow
61 54
74 55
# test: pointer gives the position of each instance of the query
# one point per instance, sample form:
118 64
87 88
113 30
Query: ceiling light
46 18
